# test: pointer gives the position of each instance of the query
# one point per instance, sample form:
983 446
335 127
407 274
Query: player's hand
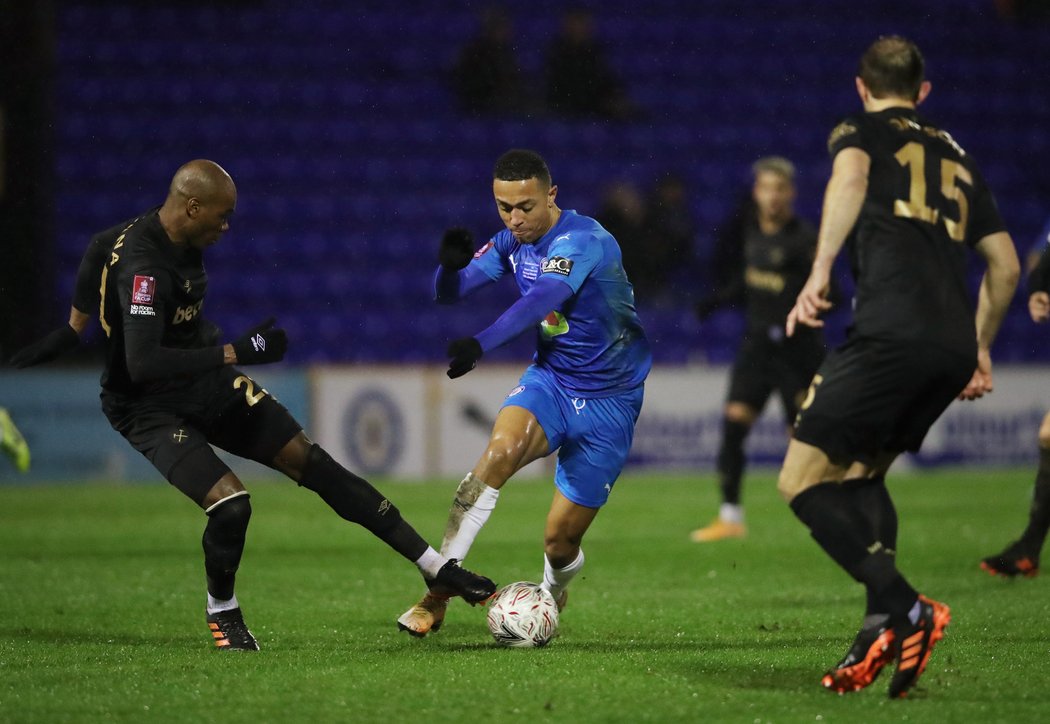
980 383
465 354
457 248
1039 307
811 301
261 344
47 348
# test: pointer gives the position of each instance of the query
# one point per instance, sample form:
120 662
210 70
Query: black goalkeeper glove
465 354
457 248
261 344
55 343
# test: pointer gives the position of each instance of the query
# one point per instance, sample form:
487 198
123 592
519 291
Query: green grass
101 612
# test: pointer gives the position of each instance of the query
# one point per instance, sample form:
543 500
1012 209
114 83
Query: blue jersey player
583 391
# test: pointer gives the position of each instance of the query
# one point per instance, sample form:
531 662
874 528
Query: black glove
457 248
261 344
55 343
465 354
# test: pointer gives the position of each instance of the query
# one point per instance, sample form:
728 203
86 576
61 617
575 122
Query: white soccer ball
523 615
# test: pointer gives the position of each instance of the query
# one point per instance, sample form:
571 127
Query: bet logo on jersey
185 314
557 265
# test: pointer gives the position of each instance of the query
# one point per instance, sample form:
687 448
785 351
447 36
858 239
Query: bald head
201 200
202 179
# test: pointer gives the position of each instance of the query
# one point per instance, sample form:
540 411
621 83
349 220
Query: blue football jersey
594 344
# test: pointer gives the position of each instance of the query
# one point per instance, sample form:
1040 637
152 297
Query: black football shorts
763 365
874 396
231 412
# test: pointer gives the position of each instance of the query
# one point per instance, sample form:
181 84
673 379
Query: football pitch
101 611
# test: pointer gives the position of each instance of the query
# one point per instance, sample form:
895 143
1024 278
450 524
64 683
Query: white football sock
731 513
215 605
430 562
555 580
471 521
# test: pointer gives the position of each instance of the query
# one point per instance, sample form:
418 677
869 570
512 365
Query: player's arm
147 359
456 276
547 294
997 289
85 298
843 200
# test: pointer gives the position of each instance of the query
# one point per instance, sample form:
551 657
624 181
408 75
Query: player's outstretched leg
355 500
915 641
12 442
223 544
471 507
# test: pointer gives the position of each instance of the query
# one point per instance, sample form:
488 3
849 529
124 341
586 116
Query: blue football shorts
592 435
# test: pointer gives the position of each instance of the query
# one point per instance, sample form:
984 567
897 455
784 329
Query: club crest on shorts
179 436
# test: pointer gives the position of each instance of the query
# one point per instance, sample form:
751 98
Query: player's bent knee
740 414
351 497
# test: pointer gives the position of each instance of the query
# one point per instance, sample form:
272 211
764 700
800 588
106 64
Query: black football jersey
776 267
142 283
926 204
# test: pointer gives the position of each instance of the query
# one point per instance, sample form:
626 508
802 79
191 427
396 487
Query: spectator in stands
655 234
486 77
622 213
670 225
579 79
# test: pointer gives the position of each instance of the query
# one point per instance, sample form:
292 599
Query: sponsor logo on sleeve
143 290
557 265
478 254
839 132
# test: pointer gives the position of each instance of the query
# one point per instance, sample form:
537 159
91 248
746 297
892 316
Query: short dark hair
893 66
519 164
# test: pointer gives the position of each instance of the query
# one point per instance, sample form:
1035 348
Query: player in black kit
1021 557
170 389
916 203
771 252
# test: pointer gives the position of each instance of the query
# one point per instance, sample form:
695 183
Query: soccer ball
523 615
